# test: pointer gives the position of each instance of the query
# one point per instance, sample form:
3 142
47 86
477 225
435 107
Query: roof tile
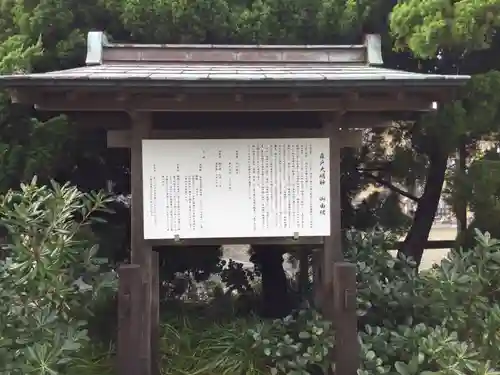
236 72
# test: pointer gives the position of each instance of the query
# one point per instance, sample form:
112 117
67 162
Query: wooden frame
332 245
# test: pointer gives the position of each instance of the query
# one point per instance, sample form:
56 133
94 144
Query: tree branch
390 186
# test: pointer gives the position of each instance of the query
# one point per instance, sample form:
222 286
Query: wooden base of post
130 293
347 351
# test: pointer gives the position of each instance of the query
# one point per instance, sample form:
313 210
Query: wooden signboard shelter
345 87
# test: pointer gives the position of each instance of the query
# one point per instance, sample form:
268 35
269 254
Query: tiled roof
168 65
236 72
329 75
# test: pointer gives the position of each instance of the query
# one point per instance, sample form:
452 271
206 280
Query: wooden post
142 253
347 349
155 313
129 319
332 251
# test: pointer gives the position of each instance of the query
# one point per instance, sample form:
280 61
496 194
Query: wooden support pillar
155 313
332 249
129 319
347 350
142 254
338 277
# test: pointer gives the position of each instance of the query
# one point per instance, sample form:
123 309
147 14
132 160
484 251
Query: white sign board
236 188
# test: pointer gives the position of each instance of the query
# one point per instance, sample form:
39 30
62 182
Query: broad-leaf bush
298 344
49 277
386 285
442 321
195 342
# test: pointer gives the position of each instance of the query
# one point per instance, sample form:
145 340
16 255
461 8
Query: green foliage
236 21
451 337
443 321
481 104
191 345
28 147
237 278
385 284
382 210
428 26
452 37
298 344
38 36
448 319
18 53
479 186
419 349
49 277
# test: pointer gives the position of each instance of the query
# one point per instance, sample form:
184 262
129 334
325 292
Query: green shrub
385 285
442 321
192 344
49 277
299 344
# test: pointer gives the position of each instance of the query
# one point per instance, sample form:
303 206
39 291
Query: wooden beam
237 241
347 138
229 103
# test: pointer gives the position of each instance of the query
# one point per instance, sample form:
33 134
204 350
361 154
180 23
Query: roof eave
21 82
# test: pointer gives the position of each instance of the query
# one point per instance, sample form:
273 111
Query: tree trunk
276 302
414 243
462 205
